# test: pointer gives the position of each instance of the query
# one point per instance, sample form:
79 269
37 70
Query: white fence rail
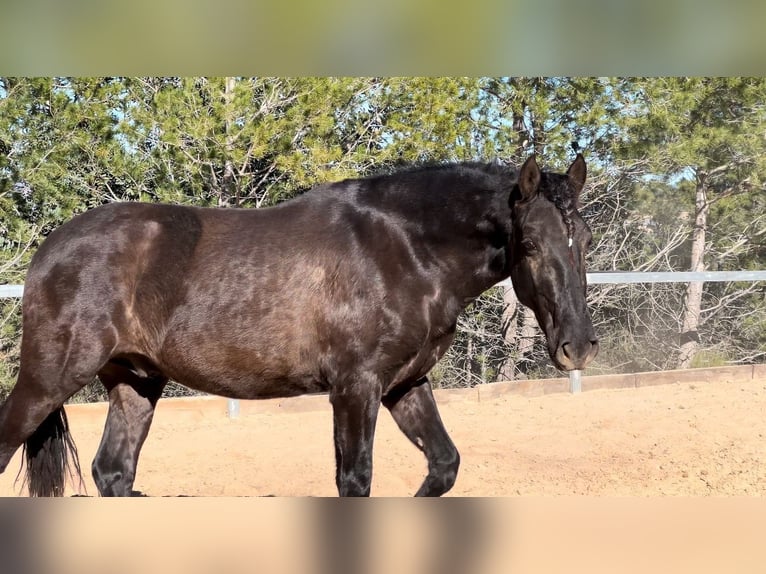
602 277
594 278
10 291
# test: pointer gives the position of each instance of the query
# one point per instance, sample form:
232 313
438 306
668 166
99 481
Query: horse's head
549 243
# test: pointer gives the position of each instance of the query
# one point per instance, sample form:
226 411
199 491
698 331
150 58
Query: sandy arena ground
676 439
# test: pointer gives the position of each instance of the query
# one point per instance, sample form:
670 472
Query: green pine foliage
70 144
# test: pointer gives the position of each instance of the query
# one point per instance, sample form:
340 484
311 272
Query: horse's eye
529 245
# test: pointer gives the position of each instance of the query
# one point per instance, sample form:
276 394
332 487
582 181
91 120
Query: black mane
490 176
493 176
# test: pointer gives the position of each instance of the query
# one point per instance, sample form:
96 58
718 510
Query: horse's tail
51 455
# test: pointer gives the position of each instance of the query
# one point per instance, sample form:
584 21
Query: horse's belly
250 385
223 368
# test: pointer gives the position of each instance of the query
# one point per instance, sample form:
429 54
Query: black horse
353 289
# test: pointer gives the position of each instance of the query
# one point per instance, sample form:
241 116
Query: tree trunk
469 361
508 325
228 191
689 339
528 333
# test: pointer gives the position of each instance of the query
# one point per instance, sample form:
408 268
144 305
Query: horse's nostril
585 351
576 354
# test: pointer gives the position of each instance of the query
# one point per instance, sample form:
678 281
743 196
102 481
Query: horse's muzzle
572 355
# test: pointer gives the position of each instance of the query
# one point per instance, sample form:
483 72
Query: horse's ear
529 178
576 173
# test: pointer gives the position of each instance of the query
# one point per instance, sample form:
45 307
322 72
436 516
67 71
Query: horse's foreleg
355 412
131 408
417 416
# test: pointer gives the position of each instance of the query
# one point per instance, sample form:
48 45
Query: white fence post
575 382
232 408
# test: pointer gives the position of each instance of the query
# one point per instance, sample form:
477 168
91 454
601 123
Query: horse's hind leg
417 416
131 408
56 362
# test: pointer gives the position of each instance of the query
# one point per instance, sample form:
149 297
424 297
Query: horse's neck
467 231
473 251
